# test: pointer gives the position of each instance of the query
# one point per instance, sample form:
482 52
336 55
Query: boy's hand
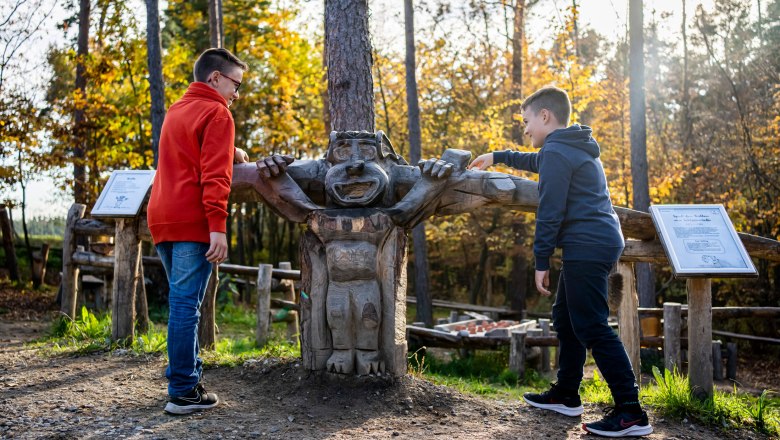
217 247
240 156
272 166
542 279
482 162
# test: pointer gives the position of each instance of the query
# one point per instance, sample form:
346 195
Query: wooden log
70 270
651 250
746 337
293 328
700 337
40 258
672 328
207 326
517 353
284 304
722 312
717 360
263 303
127 257
731 361
94 228
11 262
628 319
84 258
545 326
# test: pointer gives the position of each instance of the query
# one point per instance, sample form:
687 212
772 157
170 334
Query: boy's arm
216 170
518 160
554 178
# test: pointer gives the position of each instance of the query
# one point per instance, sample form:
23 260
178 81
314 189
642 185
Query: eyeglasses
237 83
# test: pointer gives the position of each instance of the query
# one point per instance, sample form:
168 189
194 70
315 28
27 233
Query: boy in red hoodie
188 211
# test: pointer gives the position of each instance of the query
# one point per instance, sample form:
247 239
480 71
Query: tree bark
639 180
517 287
350 84
156 81
8 244
518 36
424 310
80 138
216 37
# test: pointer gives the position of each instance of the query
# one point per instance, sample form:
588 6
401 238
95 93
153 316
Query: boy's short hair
551 98
215 59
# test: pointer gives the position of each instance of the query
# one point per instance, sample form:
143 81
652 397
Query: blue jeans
580 317
188 274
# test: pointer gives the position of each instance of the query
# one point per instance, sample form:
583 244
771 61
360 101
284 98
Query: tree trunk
641 191
216 37
79 131
518 277
350 84
156 82
421 285
518 36
8 244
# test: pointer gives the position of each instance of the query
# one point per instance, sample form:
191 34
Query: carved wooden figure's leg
367 305
342 329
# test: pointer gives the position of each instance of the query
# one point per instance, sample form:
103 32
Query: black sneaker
556 400
619 423
195 400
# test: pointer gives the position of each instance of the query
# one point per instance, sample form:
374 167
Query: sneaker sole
172 408
630 431
559 408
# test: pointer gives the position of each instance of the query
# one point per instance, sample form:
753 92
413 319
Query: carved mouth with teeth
357 191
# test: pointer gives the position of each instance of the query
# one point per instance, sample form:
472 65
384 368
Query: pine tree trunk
215 23
517 70
79 131
641 191
156 82
350 84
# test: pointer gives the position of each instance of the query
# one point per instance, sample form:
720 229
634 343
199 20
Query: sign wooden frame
700 242
124 194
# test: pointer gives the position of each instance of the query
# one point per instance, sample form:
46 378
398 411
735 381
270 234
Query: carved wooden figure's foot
369 362
342 362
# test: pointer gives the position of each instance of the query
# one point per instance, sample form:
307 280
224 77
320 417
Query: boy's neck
553 128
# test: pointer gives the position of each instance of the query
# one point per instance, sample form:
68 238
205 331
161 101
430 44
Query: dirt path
120 395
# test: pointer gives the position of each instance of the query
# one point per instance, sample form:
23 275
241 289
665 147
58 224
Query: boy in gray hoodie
575 213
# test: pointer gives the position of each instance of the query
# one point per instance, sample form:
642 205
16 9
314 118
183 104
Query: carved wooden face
358 175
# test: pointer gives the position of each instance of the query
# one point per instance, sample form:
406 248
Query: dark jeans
580 317
188 274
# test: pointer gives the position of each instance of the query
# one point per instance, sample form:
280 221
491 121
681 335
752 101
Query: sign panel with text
700 241
123 194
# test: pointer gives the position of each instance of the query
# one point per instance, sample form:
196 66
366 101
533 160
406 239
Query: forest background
712 103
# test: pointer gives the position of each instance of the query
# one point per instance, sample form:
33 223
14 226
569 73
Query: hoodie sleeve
518 160
554 179
216 168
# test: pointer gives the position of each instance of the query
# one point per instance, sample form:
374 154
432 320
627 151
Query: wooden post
628 318
454 316
127 259
731 362
545 325
700 337
70 271
293 328
672 323
264 277
207 327
717 361
39 260
8 244
141 304
517 353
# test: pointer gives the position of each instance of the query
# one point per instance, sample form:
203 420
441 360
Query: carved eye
368 151
342 152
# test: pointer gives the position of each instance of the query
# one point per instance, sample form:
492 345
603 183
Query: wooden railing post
672 326
292 324
700 337
127 259
264 278
517 353
70 271
545 325
8 244
628 317
717 360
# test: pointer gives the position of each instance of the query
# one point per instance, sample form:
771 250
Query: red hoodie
194 169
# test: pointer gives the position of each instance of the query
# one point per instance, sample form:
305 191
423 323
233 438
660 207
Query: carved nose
356 168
